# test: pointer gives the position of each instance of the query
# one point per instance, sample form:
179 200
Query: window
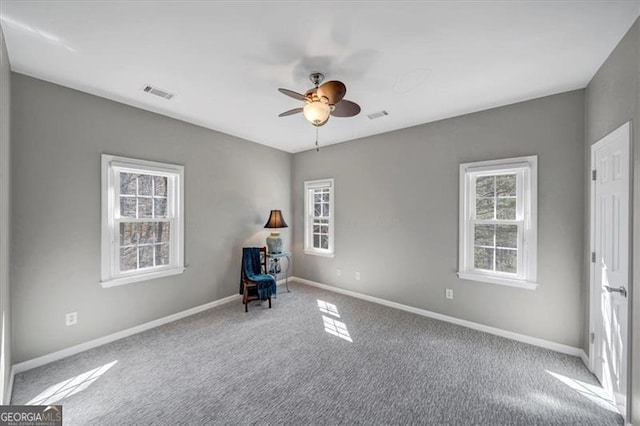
318 214
142 220
498 221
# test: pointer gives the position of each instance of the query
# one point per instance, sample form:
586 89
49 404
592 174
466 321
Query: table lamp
274 242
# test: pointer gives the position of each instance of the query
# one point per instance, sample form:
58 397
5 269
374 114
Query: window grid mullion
320 199
513 186
136 239
494 222
495 200
495 233
161 251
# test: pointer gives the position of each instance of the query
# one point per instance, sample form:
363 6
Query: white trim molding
585 359
547 344
327 218
523 173
497 280
73 350
172 217
621 396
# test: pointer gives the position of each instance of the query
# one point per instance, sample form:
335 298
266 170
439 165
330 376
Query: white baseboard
585 359
46 359
547 344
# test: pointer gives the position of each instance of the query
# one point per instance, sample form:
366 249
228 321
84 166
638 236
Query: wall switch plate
357 275
448 293
339 272
71 318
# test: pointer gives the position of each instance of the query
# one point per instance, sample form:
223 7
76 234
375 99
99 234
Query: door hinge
593 174
592 337
593 256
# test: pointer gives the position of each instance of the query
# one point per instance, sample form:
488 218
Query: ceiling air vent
377 114
158 92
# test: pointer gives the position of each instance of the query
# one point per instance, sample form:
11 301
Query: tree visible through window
498 221
495 224
319 206
142 220
144 228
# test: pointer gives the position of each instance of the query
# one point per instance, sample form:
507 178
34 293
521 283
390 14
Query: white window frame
526 169
309 186
112 166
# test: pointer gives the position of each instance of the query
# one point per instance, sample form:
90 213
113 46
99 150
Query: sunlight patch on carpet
71 386
337 328
592 392
328 308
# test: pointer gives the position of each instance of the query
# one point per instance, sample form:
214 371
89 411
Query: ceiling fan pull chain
317 147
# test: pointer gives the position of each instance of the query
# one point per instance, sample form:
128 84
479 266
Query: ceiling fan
322 101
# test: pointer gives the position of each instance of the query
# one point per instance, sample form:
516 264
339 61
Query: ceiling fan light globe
316 113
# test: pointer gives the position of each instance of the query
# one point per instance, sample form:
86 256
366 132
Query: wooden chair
250 288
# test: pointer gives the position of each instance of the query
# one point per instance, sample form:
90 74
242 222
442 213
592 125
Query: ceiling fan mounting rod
316 78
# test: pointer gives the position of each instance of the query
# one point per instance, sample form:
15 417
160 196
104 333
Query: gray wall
58 135
612 99
5 326
397 215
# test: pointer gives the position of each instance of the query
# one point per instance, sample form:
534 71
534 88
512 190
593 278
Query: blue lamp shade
276 221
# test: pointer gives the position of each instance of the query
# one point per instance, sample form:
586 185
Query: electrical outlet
448 293
357 275
71 318
339 272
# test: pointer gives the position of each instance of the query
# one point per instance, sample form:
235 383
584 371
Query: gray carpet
289 365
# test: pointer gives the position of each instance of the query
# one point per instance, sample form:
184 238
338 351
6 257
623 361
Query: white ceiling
420 61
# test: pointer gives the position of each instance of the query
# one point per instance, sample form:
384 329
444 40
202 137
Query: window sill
528 285
318 253
141 277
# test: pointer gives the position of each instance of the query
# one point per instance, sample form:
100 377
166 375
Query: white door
610 239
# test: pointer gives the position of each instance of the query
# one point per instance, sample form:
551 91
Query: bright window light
498 225
328 308
69 387
592 392
319 219
142 220
336 328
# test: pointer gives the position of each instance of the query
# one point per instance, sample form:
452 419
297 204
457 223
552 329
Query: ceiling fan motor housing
322 101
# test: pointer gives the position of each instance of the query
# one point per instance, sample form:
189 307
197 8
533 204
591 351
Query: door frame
625 128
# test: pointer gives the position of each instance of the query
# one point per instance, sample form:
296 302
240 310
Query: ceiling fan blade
334 91
294 95
290 112
346 108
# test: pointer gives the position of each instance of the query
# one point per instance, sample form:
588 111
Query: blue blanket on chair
252 270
